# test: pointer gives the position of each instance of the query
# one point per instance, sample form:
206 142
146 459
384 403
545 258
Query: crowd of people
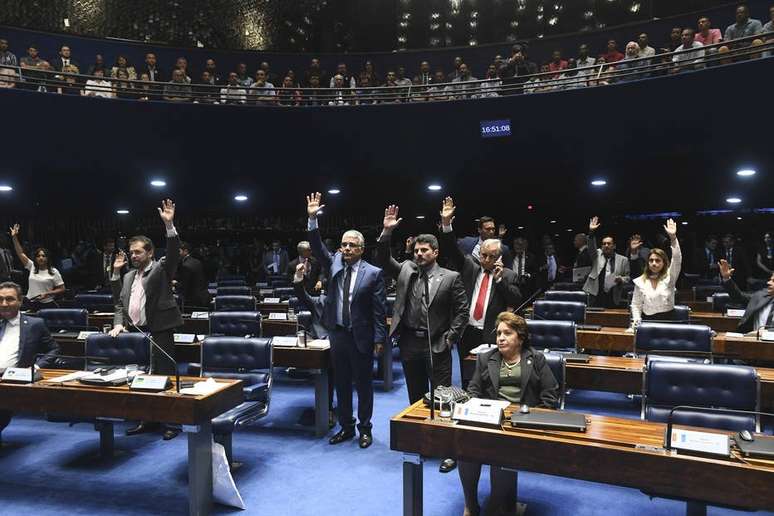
682 51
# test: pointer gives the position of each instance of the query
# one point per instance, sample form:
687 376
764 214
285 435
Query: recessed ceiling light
569 230
599 182
158 183
420 217
240 198
739 218
733 200
553 222
520 227
745 172
334 191
122 212
684 223
433 188
5 188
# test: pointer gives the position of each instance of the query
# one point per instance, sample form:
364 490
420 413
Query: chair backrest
682 313
557 364
279 282
248 359
63 318
552 334
233 291
295 304
567 286
236 324
702 292
231 283
304 319
231 277
578 296
668 384
235 304
666 337
95 302
126 348
560 311
283 292
720 301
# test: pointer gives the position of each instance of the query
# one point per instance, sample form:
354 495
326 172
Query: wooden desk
619 317
610 451
195 413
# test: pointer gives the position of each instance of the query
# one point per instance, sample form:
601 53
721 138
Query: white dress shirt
9 345
763 316
42 281
649 300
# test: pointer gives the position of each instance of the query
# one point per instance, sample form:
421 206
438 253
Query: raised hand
594 223
15 230
502 230
497 272
120 261
634 244
447 211
671 229
410 244
313 205
725 270
391 219
167 211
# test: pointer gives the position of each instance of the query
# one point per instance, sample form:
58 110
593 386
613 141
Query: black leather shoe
447 465
366 440
343 435
171 433
143 428
331 419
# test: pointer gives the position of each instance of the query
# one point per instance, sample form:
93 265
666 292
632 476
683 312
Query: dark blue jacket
34 339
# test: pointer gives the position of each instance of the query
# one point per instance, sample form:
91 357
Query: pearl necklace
510 367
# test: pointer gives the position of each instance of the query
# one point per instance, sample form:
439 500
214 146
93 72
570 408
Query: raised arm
591 247
319 251
167 214
448 240
677 256
730 286
299 290
17 245
384 259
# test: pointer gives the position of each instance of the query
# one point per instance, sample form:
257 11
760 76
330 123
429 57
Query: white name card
735 312
82 335
709 299
284 342
276 316
767 335
20 375
200 315
266 291
184 338
148 382
702 442
480 412
271 300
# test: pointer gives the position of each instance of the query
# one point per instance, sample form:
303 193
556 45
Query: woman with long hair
45 281
654 289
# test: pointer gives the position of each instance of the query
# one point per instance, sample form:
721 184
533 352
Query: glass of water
291 314
446 404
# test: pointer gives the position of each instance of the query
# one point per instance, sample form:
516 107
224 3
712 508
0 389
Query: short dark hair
426 238
608 236
185 246
15 286
484 220
146 242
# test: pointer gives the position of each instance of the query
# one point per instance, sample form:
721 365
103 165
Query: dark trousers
159 363
472 337
415 357
351 365
603 299
5 419
670 315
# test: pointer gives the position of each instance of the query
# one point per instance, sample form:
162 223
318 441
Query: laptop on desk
550 420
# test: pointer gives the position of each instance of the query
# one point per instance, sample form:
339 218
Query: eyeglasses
350 244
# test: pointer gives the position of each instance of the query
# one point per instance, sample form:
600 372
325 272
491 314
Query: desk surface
620 317
610 451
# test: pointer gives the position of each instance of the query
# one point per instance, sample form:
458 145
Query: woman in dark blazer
517 373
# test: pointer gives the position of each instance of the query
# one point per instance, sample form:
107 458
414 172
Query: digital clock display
495 128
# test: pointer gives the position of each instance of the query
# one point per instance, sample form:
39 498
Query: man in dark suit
145 301
22 338
737 259
609 270
524 265
63 59
275 260
426 295
355 315
486 229
191 280
489 287
150 68
312 270
706 260
7 271
760 305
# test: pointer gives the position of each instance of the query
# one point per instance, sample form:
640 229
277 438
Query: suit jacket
368 308
34 339
740 263
502 295
192 282
160 76
701 264
312 277
620 268
268 260
161 310
57 64
316 305
467 244
754 303
638 264
448 308
539 388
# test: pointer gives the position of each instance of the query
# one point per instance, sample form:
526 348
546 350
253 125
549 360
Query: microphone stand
167 355
426 302
529 300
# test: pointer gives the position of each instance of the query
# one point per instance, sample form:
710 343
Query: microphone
668 437
529 300
156 346
426 302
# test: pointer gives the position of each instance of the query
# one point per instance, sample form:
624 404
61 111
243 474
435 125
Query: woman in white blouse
654 290
45 282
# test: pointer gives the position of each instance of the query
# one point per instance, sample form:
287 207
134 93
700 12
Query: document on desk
203 388
200 315
609 282
319 344
68 377
483 348
184 338
82 335
285 342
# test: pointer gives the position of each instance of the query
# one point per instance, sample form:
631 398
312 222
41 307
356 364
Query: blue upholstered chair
233 291
721 301
246 359
702 292
663 338
235 304
565 286
231 277
95 302
236 324
279 281
557 364
682 314
577 296
294 304
231 283
557 335
284 293
126 348
559 311
64 318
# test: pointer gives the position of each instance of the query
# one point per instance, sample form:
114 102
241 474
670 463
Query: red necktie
478 312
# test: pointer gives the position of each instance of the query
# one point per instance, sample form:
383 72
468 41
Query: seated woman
654 290
45 282
517 373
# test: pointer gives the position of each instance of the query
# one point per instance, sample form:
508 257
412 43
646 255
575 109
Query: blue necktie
3 324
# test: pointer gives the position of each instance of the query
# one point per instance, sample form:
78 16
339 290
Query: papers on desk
266 291
735 312
202 388
200 315
184 338
483 348
734 334
82 335
103 313
285 342
767 335
271 300
201 336
277 316
702 442
319 344
68 377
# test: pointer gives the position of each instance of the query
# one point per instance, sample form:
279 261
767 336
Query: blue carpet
53 469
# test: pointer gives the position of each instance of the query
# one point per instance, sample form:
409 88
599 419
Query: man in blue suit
22 338
354 313
486 230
